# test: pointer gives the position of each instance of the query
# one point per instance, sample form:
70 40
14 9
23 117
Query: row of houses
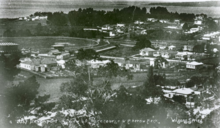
168 54
190 94
111 30
172 56
38 64
42 62
210 36
33 18
137 65
176 21
131 64
187 93
194 30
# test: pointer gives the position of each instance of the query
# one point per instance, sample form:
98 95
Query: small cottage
193 65
147 52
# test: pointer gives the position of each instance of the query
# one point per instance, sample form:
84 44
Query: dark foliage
58 19
78 86
179 99
91 17
142 42
19 97
150 87
87 54
112 69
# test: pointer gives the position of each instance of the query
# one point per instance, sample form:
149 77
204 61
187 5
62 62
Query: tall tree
87 54
185 27
150 88
19 97
160 62
142 42
112 69
78 86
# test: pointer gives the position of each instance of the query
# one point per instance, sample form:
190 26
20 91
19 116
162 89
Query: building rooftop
7 44
147 49
58 45
184 91
194 63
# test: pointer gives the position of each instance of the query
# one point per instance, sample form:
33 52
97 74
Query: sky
15 8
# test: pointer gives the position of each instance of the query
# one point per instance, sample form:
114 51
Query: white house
210 36
61 63
216 21
156 54
183 92
193 65
120 25
138 22
162 47
26 65
163 21
152 63
194 30
206 38
106 27
172 27
97 63
198 22
177 21
188 48
118 30
42 17
151 19
215 50
171 47
112 34
165 55
143 32
90 29
147 52
182 55
63 56
20 18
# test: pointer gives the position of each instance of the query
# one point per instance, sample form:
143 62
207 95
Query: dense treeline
42 13
72 23
90 17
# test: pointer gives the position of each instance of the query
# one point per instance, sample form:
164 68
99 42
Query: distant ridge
199 4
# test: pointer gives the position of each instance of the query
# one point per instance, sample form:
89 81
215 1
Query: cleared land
19 25
44 43
51 87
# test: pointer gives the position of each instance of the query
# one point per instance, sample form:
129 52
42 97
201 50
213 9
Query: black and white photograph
109 63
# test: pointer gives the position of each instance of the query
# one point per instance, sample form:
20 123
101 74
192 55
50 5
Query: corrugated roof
147 49
194 63
184 91
48 61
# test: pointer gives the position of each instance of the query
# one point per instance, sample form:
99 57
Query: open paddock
44 43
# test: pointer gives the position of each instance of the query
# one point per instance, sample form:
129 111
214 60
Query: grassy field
51 86
19 25
45 43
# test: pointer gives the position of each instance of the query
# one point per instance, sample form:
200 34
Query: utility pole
88 67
